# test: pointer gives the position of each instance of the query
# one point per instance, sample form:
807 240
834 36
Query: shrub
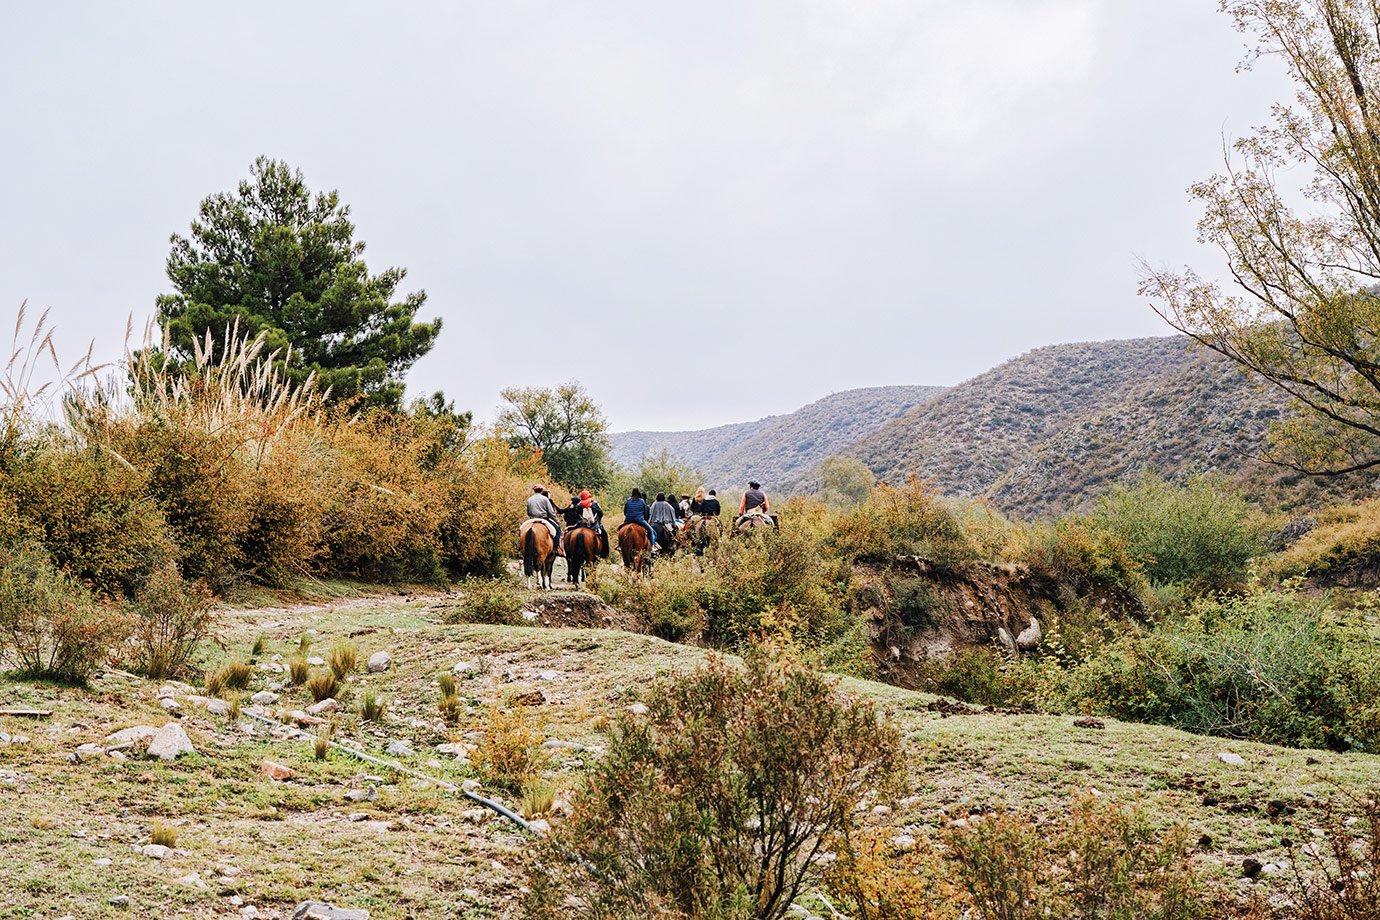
872 882
92 515
450 707
907 520
344 659
510 753
259 646
1080 556
298 670
1104 861
1197 534
1337 876
323 685
446 681
1268 665
492 601
716 803
538 797
50 626
321 744
1345 547
171 619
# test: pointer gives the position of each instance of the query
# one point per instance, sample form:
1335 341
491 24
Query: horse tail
529 552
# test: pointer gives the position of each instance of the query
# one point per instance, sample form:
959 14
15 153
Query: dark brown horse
538 552
636 547
581 549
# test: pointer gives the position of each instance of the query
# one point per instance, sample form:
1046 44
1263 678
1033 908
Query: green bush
716 803
170 619
1267 665
1198 534
494 601
908 520
50 626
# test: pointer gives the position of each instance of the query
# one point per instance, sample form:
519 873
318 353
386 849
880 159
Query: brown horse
538 552
581 549
700 533
636 547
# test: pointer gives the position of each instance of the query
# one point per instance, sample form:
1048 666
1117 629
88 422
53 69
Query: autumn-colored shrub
510 753
717 801
494 601
905 520
170 619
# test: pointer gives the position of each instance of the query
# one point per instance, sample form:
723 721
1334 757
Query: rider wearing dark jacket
635 510
711 507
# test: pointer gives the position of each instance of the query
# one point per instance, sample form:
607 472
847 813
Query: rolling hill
778 447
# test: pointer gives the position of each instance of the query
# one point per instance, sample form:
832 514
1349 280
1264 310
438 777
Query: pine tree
275 258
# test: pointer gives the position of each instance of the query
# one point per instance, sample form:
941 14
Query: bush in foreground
720 800
171 618
50 626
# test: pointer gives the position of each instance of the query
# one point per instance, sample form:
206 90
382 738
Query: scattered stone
357 816
264 698
476 815
218 707
1250 867
457 748
317 910
135 734
230 871
399 748
1089 722
369 793
117 756
155 851
903 842
638 709
379 662
1235 760
1270 868
276 770
881 811
249 912
166 690
170 705
548 675
194 880
102 862
301 718
326 705
530 615
118 901
316 661
532 698
169 742
540 826
470 785
555 745
465 669
87 752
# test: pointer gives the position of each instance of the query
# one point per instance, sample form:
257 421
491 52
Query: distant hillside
1049 431
779 446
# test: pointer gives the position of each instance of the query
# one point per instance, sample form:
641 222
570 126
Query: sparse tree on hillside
564 426
1304 312
844 482
273 257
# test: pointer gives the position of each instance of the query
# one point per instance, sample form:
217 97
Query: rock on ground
379 661
317 910
169 742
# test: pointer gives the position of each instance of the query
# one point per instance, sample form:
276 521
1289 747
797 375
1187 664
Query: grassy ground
244 840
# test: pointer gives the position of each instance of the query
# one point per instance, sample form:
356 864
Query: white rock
326 705
155 851
367 794
118 900
399 749
903 842
470 785
230 871
1235 760
379 661
117 756
249 912
1030 637
194 880
548 675
166 690
316 661
102 862
169 742
465 668
264 698
638 709
540 826
169 704
135 734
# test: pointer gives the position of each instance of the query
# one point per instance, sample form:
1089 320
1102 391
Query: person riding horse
541 508
664 521
754 508
635 511
584 511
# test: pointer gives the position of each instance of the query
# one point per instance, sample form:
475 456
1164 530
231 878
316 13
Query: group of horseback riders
662 517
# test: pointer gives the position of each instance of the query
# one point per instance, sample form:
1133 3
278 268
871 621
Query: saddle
549 526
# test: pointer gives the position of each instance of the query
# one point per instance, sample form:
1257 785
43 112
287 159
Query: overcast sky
705 212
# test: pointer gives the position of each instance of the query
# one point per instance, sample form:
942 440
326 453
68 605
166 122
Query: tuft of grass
344 658
298 670
260 644
446 681
215 683
232 711
371 707
321 745
163 834
303 644
237 675
538 797
323 685
451 708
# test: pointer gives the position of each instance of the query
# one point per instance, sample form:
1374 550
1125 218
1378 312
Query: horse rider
697 503
584 511
711 506
542 508
635 511
663 514
684 507
754 501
